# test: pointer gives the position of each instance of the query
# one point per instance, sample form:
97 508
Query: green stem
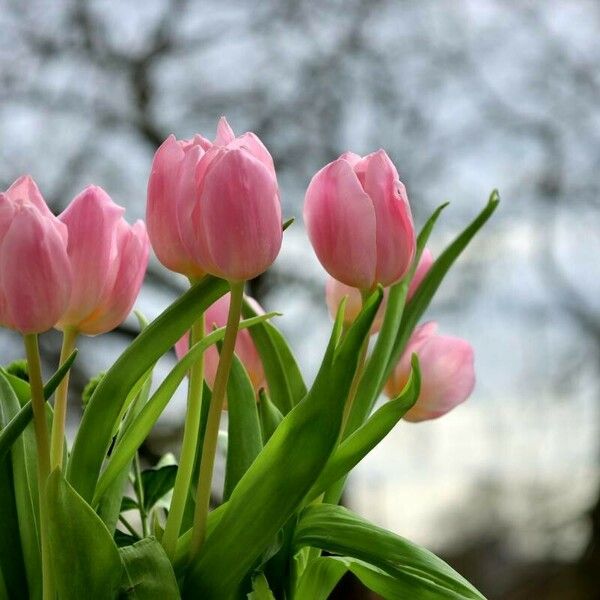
214 416
43 453
128 526
139 493
188 448
60 402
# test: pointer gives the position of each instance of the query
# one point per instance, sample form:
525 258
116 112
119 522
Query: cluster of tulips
214 216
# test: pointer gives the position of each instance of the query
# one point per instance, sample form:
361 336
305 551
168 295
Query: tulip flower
447 372
35 274
214 207
108 260
216 316
359 222
336 290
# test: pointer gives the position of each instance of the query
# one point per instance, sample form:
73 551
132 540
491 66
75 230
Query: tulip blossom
216 316
447 372
35 273
336 290
214 207
108 260
359 221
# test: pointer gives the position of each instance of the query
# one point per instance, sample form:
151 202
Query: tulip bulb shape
336 290
214 207
108 260
35 273
216 316
447 373
359 222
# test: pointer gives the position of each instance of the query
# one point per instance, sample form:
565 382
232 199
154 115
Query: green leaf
244 439
373 377
95 431
139 429
355 447
20 420
260 588
157 483
420 575
286 385
24 468
128 503
275 484
85 559
420 301
147 572
319 578
123 539
12 566
269 415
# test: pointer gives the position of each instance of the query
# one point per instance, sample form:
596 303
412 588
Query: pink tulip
35 274
359 221
214 207
447 372
216 315
108 260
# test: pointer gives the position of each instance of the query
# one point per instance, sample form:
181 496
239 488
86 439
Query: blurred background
465 96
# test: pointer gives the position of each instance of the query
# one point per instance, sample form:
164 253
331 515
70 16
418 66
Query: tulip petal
396 238
224 133
91 219
35 272
340 220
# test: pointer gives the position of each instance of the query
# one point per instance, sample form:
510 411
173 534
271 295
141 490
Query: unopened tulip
447 373
214 207
108 260
35 273
336 290
216 316
359 221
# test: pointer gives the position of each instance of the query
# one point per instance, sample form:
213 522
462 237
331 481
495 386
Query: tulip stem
211 434
188 447
40 424
60 402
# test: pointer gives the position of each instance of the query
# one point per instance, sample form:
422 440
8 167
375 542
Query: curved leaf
95 431
319 578
423 575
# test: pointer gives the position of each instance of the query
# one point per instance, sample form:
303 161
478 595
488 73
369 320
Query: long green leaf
283 375
24 466
244 439
85 559
354 448
373 376
421 574
147 572
142 425
420 301
95 431
275 484
269 415
12 566
260 589
17 424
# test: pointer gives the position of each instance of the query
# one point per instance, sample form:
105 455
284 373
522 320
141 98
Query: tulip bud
359 222
216 316
108 260
173 181
232 226
35 274
447 373
214 207
336 290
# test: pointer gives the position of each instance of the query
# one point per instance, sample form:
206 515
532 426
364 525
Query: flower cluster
214 215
